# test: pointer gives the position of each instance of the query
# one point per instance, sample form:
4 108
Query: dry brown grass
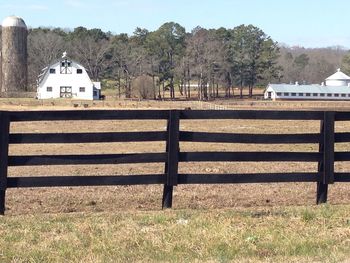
302 234
211 223
85 199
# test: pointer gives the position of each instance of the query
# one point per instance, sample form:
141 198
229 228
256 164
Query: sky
307 23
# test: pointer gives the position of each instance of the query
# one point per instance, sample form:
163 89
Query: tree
238 51
120 48
253 56
91 48
322 62
345 65
244 56
300 63
44 46
167 45
204 56
269 62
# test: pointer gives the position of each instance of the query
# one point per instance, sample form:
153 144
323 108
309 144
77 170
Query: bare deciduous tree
44 46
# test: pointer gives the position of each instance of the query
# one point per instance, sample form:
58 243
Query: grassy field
289 234
215 223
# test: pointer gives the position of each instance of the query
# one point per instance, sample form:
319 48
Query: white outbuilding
338 79
306 92
66 78
336 87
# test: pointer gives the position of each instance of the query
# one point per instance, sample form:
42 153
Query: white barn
336 87
66 78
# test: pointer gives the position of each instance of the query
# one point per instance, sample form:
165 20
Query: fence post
171 165
326 166
4 142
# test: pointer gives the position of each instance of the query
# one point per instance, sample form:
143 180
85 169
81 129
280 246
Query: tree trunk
217 90
172 88
159 95
181 87
200 89
154 86
119 84
189 82
127 91
241 91
184 89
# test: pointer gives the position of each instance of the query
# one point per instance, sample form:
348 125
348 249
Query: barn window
308 94
329 94
79 71
343 95
322 94
66 67
336 95
286 94
315 94
49 89
82 89
52 71
294 94
301 94
279 93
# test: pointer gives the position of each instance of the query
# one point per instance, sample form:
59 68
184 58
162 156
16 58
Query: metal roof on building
309 88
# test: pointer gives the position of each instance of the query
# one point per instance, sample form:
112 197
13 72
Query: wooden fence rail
325 157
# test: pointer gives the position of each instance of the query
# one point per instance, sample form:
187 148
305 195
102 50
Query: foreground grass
296 234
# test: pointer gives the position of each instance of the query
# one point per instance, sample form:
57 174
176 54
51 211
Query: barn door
65 92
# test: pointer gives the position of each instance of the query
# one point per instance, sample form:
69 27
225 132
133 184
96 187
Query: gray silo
14 55
0 59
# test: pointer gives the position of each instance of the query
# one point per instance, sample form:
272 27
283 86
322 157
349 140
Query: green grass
290 234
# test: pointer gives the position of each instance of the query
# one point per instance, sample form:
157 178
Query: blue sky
309 23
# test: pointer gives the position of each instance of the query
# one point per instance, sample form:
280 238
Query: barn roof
309 88
57 60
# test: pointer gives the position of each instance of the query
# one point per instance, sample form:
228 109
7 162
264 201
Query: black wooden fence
325 157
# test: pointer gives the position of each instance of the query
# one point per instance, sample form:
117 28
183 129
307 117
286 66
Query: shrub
142 87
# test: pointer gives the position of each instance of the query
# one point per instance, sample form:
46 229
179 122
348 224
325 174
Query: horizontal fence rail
87 137
25 160
172 156
251 138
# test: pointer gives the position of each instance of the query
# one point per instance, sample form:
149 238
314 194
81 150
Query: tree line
203 63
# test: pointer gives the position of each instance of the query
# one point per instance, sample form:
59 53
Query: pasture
252 222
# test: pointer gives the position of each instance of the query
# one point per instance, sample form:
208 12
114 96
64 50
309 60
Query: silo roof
338 76
13 21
